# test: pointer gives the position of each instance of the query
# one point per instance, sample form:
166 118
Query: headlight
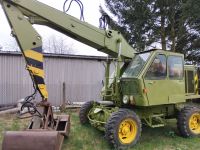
126 99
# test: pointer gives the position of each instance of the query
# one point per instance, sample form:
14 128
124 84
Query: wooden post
64 94
62 108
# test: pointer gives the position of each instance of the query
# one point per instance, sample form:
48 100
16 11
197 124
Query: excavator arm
30 44
22 14
39 13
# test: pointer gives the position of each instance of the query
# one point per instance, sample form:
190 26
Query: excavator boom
22 14
102 40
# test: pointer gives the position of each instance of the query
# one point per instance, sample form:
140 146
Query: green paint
156 97
152 98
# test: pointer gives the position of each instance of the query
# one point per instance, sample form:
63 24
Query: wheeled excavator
146 87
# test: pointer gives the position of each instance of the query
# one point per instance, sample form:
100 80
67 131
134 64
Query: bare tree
51 44
1 47
57 45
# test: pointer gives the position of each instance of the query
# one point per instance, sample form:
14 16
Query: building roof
70 56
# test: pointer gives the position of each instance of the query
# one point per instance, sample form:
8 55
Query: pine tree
174 24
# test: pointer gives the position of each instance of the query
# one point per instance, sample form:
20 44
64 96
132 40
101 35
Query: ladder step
157 115
158 125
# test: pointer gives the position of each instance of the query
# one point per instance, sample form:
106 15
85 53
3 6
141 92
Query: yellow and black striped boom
30 44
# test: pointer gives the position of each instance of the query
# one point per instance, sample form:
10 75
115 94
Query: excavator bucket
49 136
32 140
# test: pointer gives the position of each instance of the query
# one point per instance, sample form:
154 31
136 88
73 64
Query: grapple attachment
43 133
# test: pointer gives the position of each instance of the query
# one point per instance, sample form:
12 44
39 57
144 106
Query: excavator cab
151 73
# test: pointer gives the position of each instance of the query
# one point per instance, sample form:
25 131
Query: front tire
188 122
123 129
83 114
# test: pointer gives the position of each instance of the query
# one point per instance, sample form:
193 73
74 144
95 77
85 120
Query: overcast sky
91 15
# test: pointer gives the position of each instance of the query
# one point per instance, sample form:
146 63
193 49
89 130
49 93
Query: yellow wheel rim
127 131
194 123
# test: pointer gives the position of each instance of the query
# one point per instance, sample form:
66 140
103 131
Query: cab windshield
136 65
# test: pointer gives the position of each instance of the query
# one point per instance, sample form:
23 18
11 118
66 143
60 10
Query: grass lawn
88 138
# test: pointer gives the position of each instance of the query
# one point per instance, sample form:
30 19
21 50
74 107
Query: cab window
175 67
157 70
136 65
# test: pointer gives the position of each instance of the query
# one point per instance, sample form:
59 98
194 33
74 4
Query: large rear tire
83 114
123 129
188 122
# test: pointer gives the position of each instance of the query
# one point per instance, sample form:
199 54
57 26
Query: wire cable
31 108
104 21
69 6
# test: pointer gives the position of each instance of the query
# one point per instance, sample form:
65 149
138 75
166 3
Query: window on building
157 70
175 67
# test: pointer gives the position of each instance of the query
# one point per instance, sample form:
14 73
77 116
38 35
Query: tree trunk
173 39
173 34
162 30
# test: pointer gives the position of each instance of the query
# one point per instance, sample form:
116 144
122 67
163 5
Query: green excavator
146 88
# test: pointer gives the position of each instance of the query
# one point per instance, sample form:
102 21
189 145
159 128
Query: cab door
176 80
164 80
155 81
